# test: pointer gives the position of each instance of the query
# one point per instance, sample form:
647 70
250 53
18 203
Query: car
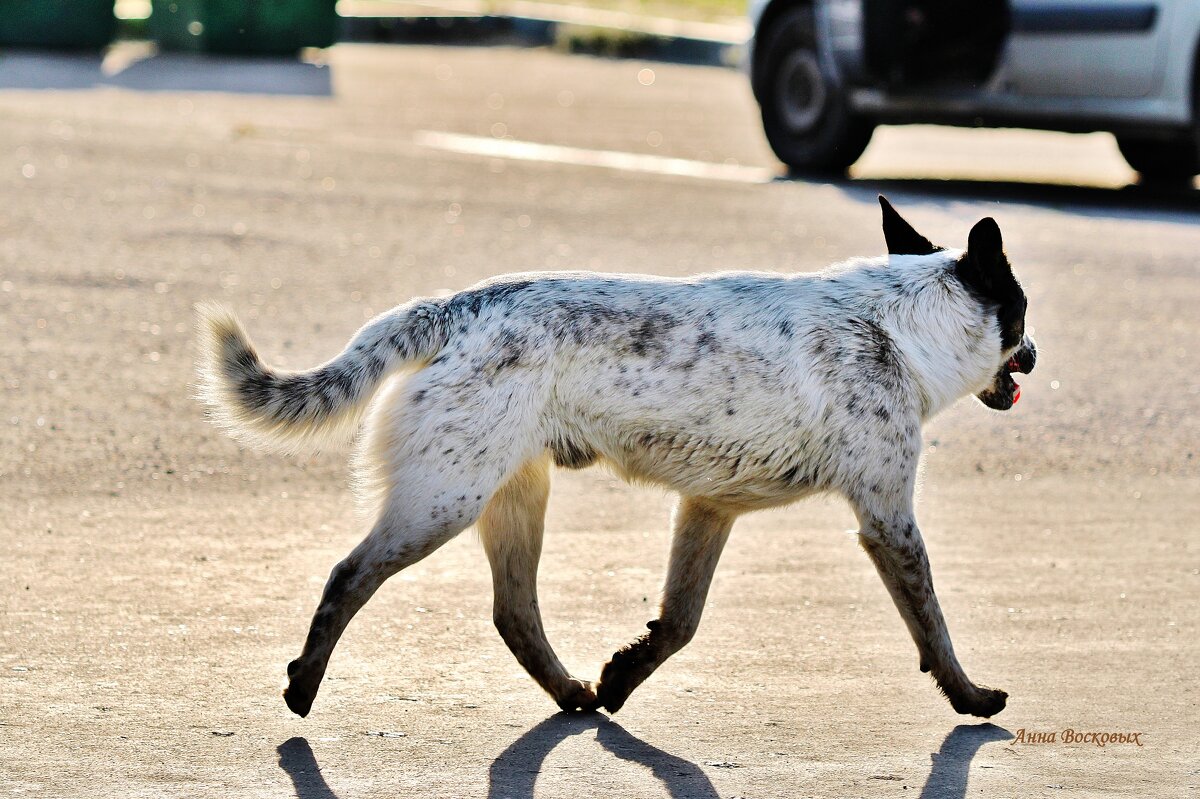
827 72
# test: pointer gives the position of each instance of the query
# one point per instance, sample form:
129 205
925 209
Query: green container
79 24
243 26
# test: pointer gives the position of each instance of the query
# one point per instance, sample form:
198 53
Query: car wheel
806 114
1161 161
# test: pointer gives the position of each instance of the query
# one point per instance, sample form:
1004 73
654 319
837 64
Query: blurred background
311 164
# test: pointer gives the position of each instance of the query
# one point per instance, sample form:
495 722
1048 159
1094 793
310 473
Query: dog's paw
299 701
616 684
627 669
301 691
580 699
985 703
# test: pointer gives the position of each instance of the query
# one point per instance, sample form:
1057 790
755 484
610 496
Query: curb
527 24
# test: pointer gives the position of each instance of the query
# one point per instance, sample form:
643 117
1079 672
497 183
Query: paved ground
155 578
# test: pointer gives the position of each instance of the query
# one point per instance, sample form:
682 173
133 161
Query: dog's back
746 386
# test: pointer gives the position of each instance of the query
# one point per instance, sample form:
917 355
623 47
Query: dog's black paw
301 690
616 683
299 702
986 703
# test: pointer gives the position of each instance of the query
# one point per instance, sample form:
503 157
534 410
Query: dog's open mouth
1004 391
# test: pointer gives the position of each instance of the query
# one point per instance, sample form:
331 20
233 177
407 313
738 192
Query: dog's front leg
890 537
701 529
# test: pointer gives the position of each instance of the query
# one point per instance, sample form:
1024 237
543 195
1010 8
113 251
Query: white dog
739 391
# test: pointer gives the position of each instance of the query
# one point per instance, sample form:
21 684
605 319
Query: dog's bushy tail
301 411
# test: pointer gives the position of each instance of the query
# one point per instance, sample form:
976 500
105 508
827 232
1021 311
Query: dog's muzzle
1004 391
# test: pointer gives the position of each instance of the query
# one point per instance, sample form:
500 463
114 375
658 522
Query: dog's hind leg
511 530
434 464
395 542
701 530
889 535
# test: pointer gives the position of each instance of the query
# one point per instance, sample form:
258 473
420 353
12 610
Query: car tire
806 114
1159 161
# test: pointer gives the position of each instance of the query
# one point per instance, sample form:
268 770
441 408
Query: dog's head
987 275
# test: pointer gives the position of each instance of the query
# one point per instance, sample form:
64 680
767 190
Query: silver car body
1076 65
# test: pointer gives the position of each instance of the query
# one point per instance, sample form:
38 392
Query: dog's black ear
985 241
985 264
900 236
984 267
985 271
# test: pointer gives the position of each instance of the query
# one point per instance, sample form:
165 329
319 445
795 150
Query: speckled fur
738 391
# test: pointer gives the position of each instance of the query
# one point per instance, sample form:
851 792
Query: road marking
605 159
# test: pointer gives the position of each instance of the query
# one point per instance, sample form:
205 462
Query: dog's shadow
948 777
514 773
298 762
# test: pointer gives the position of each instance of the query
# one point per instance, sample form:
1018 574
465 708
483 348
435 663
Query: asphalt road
155 579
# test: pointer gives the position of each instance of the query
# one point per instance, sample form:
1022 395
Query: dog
739 391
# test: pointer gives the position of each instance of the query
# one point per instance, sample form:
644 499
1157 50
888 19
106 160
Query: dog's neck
950 341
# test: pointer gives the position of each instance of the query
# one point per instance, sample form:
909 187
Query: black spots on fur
706 345
883 414
854 405
648 336
418 396
509 348
827 350
879 347
803 473
569 454
473 301
374 366
785 329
